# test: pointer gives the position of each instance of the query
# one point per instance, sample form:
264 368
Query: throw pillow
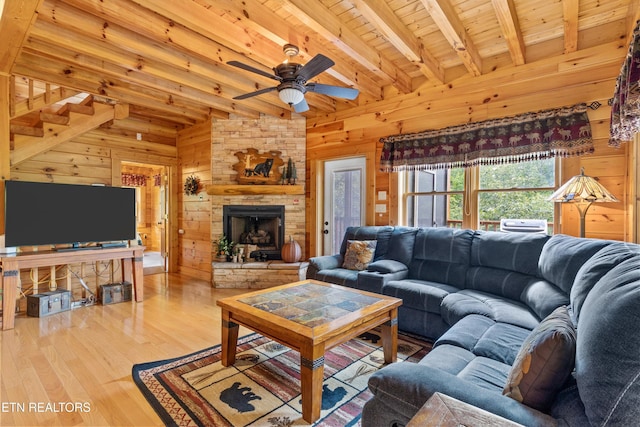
544 362
359 254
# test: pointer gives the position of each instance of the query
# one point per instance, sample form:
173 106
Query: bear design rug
263 387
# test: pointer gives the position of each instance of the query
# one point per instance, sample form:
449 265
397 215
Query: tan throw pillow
359 254
544 362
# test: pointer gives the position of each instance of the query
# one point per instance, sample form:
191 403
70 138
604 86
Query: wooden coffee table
311 317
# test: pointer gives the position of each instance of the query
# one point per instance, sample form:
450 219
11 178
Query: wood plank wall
564 80
194 217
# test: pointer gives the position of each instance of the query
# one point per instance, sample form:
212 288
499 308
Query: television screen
38 213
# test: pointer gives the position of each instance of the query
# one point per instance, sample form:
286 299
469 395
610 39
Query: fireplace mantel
238 190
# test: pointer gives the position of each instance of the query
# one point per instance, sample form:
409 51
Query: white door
344 196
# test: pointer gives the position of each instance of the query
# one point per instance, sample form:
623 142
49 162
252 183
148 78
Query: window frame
471 195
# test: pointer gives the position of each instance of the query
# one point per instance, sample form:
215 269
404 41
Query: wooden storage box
113 293
46 303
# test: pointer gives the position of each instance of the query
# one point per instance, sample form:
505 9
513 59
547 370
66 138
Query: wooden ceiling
167 60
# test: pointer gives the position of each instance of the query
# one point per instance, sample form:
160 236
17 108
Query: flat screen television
38 213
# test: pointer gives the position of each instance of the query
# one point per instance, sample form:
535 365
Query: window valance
625 107
531 136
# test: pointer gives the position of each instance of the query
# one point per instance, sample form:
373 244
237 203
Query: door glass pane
347 205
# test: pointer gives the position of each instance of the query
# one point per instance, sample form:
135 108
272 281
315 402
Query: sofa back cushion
517 252
596 267
381 234
607 368
441 255
401 244
505 264
562 257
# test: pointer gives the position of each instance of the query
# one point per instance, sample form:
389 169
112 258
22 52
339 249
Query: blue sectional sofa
482 297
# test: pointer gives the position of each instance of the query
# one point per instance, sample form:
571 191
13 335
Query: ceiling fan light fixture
291 96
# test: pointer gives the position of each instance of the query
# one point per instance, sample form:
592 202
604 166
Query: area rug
263 387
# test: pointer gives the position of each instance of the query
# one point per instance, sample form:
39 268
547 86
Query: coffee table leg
229 339
390 337
311 377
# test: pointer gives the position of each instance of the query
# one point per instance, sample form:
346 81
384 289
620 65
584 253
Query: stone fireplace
261 228
266 133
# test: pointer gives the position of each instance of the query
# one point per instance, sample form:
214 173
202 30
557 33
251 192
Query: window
443 198
434 198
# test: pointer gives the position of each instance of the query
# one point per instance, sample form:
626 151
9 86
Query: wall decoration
191 185
254 167
134 180
289 173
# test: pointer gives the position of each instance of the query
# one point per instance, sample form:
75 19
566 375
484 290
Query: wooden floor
83 357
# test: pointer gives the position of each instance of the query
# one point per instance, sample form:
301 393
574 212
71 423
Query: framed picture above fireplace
254 167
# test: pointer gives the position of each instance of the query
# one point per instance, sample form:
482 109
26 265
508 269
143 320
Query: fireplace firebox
260 226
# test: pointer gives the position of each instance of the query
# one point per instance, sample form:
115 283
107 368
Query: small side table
444 411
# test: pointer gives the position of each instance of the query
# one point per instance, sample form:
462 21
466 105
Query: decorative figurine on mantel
289 173
254 167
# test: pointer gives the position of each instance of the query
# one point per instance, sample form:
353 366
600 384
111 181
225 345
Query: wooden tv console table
11 264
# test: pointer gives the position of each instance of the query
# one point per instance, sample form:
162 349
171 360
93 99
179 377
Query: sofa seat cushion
419 294
405 387
484 337
338 276
460 304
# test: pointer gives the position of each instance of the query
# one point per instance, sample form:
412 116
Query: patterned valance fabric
531 136
625 107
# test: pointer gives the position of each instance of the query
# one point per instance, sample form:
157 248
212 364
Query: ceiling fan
293 79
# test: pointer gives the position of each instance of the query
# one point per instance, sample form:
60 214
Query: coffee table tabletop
311 317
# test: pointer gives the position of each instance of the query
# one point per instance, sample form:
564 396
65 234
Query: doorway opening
150 184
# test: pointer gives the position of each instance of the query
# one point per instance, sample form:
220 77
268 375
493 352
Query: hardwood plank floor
84 357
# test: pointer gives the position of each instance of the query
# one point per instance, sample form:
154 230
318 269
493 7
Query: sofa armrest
385 266
379 273
406 386
325 262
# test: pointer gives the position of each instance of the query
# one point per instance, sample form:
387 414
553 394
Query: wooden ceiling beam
108 76
316 16
510 26
16 19
570 10
136 63
263 42
29 65
195 53
380 15
449 23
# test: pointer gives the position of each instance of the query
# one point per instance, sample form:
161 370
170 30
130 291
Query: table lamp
582 190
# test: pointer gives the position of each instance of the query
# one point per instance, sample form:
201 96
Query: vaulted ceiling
168 60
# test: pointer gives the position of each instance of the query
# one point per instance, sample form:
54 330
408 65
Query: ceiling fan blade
258 92
253 70
301 106
315 66
337 91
